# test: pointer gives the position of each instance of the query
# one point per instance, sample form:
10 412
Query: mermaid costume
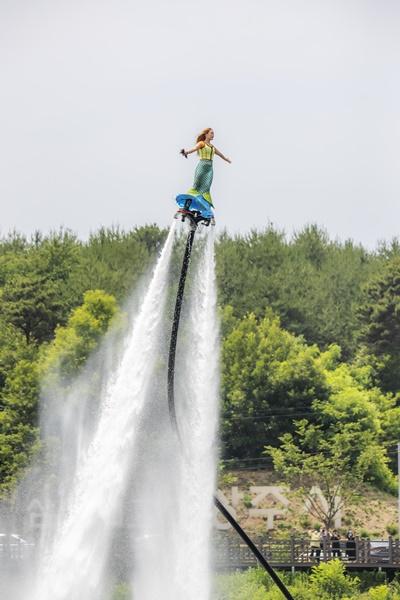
199 197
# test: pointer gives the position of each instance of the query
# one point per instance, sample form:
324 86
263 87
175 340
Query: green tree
13 347
343 444
55 364
18 423
18 445
249 270
380 315
313 283
355 415
18 404
74 343
113 260
324 288
35 296
269 378
308 460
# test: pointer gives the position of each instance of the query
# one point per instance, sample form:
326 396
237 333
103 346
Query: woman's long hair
202 136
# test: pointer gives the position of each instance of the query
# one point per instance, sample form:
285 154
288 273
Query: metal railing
300 552
16 552
294 552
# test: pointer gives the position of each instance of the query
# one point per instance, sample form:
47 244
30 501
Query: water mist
74 568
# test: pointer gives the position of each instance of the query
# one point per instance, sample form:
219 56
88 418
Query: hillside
373 514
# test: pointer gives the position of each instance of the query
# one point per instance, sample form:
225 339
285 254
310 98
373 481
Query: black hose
175 328
172 412
250 544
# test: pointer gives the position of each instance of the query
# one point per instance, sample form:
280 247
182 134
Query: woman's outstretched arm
197 147
218 153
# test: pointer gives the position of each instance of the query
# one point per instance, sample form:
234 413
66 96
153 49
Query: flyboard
197 210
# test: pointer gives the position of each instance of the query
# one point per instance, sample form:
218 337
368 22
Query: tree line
310 340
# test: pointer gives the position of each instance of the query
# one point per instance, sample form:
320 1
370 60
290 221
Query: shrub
305 522
329 579
392 529
364 534
369 579
247 501
381 592
240 586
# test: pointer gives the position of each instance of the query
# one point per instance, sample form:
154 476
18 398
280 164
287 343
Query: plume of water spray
200 418
74 568
174 501
69 417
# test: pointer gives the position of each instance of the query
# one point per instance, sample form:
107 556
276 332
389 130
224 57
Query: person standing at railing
335 539
324 542
351 545
315 550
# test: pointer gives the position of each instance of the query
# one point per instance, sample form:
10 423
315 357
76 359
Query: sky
98 96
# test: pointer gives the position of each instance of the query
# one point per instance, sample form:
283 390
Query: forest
310 343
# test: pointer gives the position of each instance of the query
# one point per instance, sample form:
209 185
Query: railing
15 552
229 552
294 552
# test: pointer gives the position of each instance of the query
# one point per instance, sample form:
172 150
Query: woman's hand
183 152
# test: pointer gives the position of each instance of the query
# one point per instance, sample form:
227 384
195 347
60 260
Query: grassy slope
369 515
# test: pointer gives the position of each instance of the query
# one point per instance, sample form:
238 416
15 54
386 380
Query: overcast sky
97 98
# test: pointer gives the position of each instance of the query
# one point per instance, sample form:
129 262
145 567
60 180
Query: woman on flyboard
198 198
